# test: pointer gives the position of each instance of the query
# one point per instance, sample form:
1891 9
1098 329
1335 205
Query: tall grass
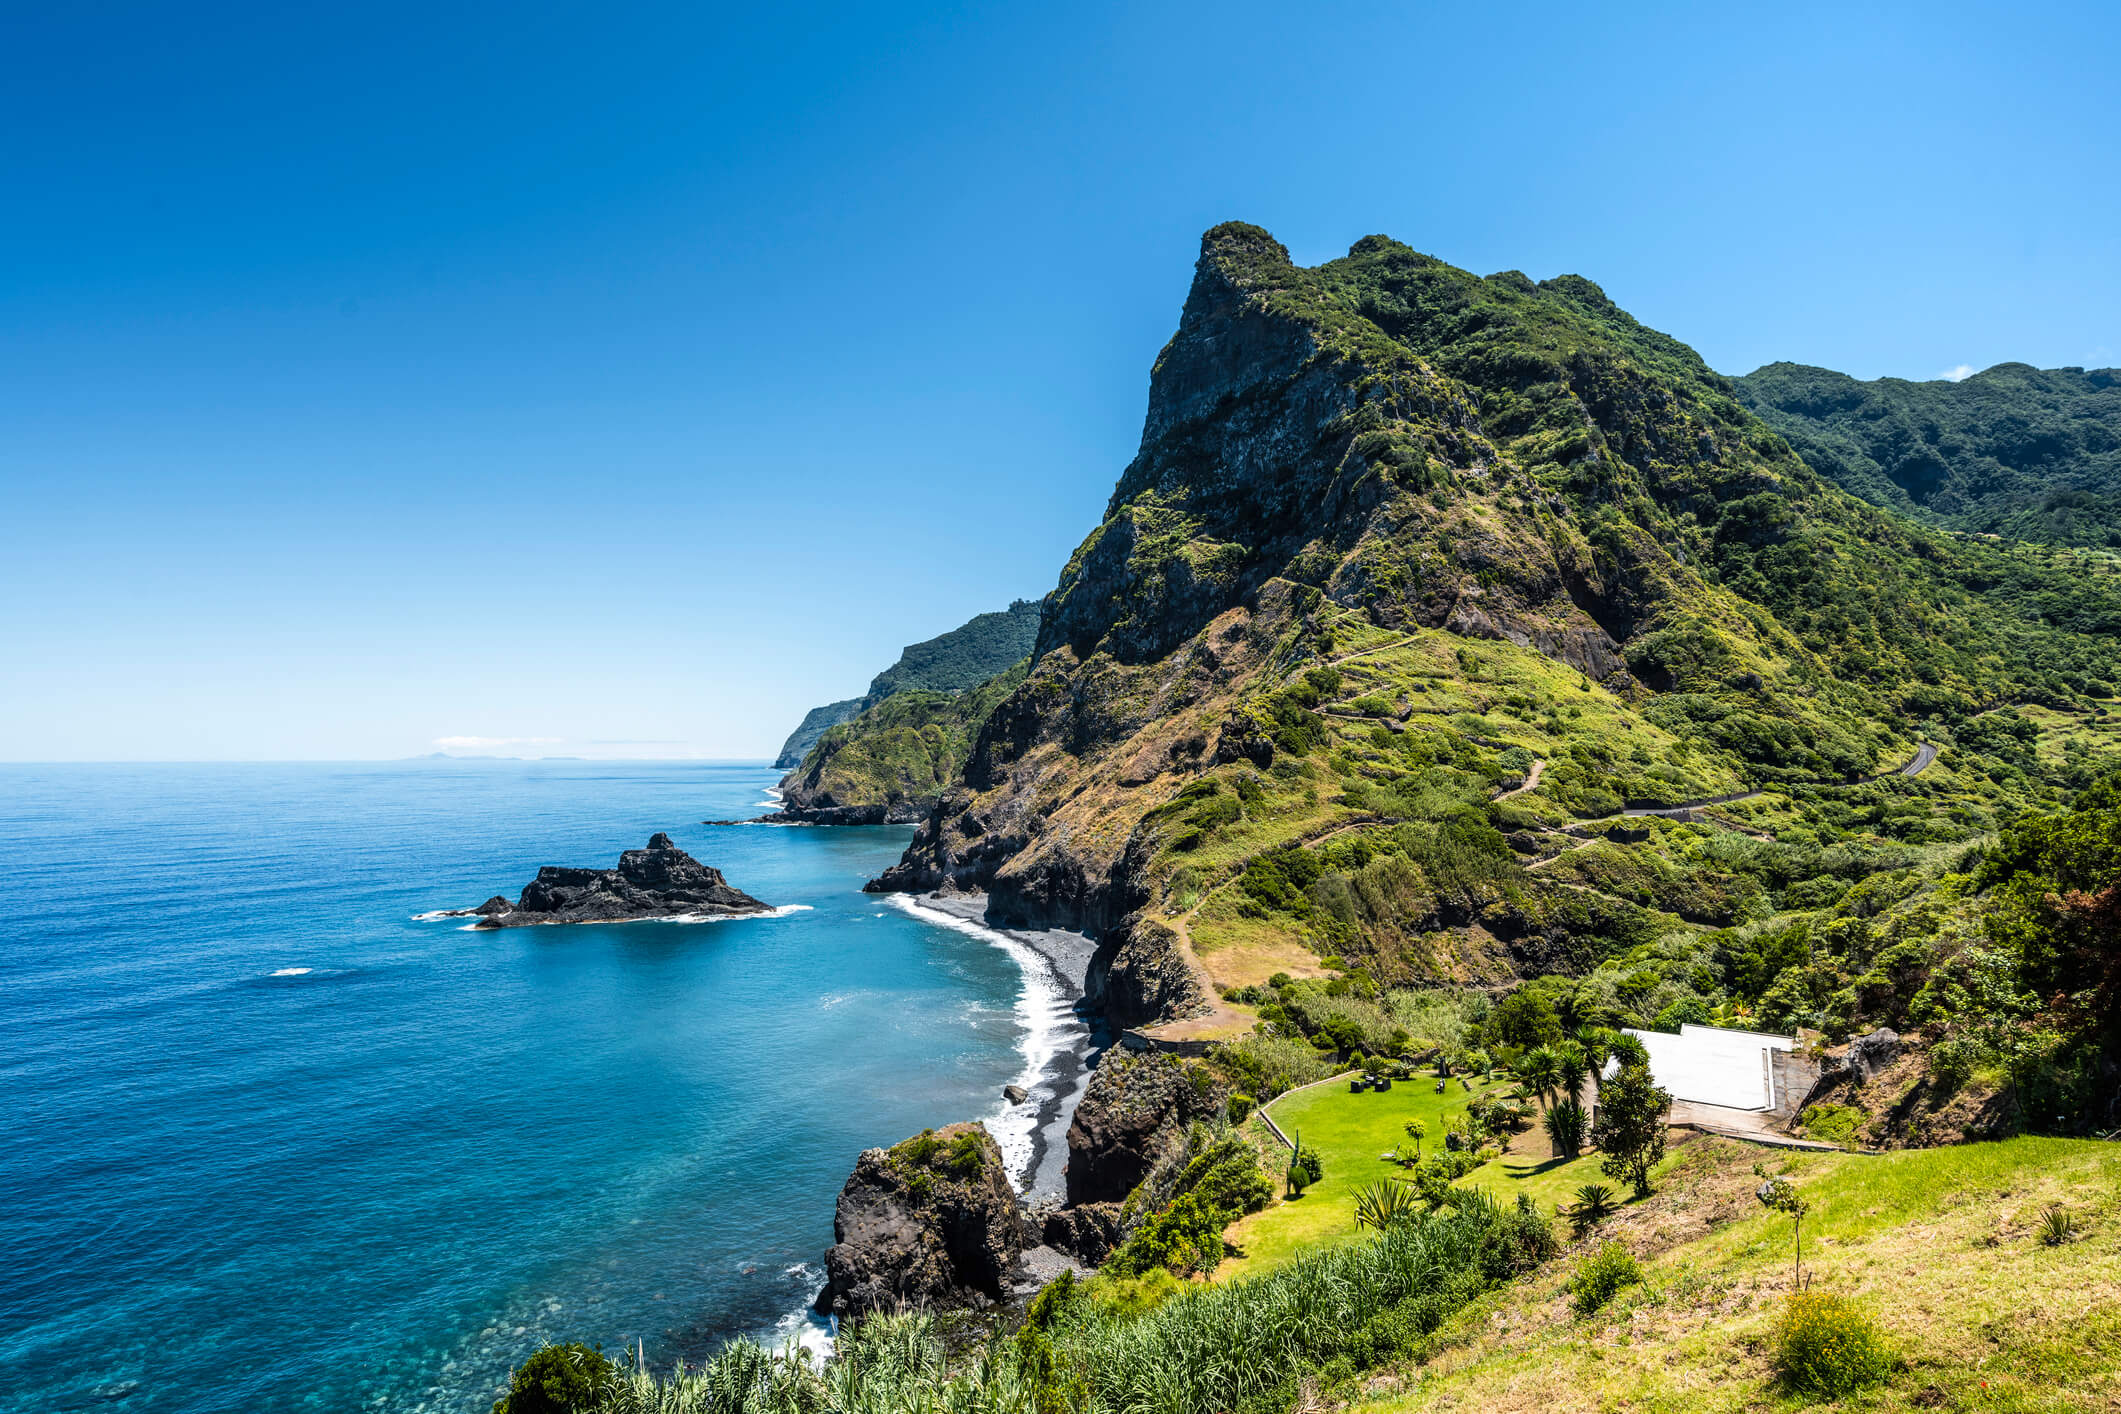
1205 1350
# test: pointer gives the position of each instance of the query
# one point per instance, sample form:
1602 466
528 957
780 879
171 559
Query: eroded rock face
933 1221
1133 1113
661 881
1089 1231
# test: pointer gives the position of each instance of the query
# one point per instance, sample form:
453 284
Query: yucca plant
1594 1204
2057 1225
1566 1125
1383 1203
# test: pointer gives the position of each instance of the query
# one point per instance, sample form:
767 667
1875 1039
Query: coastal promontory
661 881
931 1221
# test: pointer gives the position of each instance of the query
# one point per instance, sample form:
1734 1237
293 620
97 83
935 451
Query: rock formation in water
933 1221
661 881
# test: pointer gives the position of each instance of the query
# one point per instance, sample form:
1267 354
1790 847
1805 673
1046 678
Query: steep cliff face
1394 533
1134 1114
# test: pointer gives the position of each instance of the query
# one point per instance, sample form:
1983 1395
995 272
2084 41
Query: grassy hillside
1941 1247
2021 452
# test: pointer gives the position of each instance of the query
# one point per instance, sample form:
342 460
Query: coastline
1061 1040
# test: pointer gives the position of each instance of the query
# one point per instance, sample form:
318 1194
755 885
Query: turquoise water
272 1144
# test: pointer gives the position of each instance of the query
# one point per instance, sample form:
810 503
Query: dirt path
1531 780
1580 844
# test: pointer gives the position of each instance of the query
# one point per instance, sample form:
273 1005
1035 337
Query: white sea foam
1049 1023
290 972
443 913
782 912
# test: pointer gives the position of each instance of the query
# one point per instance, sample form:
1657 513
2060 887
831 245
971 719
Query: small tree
1630 1124
1305 1168
1416 1130
1779 1195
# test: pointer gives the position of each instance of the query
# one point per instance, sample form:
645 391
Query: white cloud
1960 373
489 743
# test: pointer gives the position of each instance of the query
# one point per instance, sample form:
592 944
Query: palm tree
1540 1069
1572 1066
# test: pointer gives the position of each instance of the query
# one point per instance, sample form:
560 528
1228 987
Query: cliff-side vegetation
2015 451
963 658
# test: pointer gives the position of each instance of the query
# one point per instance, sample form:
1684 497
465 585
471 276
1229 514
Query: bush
1827 1345
559 1379
1836 1124
1600 1276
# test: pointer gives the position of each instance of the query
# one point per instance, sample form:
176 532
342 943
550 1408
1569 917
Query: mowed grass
1350 1132
1940 1246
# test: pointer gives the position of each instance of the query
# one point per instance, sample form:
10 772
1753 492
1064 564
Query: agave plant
1566 1124
2057 1225
1381 1204
1594 1204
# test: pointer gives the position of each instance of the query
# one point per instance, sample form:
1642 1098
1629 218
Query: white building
1712 1066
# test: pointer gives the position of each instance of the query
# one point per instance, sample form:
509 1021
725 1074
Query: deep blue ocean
272 1144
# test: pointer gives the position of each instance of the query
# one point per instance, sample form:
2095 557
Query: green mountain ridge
2013 451
962 658
1418 580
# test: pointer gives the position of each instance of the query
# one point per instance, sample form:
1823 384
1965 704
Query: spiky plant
2057 1225
1383 1203
1594 1204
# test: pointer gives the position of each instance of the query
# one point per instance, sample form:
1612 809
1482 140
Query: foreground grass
1940 1245
1351 1133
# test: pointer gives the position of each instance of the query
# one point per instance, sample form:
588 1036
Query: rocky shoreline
1057 963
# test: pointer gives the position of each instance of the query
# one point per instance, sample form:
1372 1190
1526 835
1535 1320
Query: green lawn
1350 1132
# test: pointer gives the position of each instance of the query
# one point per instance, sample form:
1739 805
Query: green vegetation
1600 1276
1632 1108
950 663
2024 453
1824 1344
1108 1346
908 747
560 1379
1351 1134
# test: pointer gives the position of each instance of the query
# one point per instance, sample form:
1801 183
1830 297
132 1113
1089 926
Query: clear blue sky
626 379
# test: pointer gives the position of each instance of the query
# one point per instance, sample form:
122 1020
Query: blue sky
626 379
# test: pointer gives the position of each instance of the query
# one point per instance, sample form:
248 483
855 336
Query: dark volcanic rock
933 1221
1087 1230
1134 1112
661 881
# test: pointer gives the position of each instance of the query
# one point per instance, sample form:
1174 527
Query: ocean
273 1142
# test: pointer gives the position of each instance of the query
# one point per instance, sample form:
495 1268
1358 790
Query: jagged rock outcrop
661 881
933 1221
1133 1113
1089 1231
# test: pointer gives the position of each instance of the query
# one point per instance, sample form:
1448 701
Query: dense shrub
1600 1276
559 1379
1827 1345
